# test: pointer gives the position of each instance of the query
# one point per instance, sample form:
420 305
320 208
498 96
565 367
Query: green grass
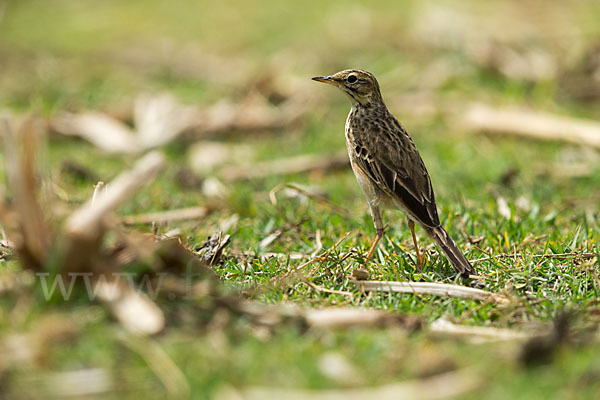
72 55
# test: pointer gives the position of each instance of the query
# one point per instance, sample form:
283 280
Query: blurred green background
433 60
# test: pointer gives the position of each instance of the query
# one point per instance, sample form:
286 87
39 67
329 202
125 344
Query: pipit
388 166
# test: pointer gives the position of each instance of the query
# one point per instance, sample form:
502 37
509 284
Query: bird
388 166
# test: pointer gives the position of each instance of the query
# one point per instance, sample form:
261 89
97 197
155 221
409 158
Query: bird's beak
325 79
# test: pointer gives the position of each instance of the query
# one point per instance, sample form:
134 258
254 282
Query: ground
498 196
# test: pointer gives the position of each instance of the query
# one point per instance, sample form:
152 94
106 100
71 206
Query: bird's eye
352 79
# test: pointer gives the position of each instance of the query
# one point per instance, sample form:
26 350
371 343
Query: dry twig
23 219
157 119
531 124
134 310
182 214
442 386
363 317
160 119
102 131
328 317
252 115
585 256
285 166
161 364
444 329
87 220
431 288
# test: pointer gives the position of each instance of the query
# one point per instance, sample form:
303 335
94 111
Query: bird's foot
374 245
421 260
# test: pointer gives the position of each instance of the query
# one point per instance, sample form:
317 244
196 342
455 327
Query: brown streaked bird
388 166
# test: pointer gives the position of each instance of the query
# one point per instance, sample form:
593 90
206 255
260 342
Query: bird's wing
390 158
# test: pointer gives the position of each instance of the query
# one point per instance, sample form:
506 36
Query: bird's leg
377 239
420 260
379 226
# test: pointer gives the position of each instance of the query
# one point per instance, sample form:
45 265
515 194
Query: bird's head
361 86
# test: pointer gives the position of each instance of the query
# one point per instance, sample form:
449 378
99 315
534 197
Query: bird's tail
451 250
